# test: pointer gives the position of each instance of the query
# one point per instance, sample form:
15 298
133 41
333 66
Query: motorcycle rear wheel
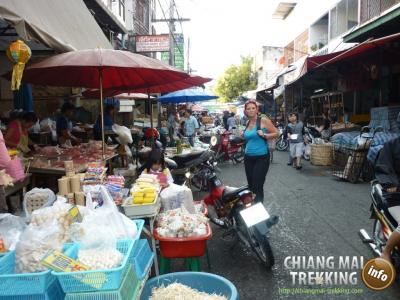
282 144
262 248
239 156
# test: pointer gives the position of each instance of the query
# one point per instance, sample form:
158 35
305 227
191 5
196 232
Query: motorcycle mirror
187 175
213 141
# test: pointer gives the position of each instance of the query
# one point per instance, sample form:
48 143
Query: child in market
156 165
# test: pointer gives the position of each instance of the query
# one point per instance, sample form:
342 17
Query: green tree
236 80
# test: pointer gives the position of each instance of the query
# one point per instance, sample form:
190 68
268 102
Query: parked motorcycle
228 147
197 164
238 213
310 135
282 143
384 224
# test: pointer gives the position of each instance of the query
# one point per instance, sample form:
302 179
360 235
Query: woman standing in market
64 125
17 132
256 161
108 122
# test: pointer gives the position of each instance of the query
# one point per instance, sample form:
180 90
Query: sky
220 31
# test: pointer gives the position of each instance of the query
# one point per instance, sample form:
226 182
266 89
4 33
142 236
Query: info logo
378 274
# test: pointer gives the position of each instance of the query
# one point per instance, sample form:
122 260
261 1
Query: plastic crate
183 247
142 258
203 282
96 280
53 292
127 291
23 284
7 264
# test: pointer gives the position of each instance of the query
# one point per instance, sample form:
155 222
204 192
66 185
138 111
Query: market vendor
156 165
324 129
17 132
64 126
108 122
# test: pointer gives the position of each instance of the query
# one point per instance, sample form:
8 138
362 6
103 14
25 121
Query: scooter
229 147
282 143
237 212
310 135
196 163
384 224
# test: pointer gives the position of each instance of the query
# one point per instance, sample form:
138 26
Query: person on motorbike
387 172
256 160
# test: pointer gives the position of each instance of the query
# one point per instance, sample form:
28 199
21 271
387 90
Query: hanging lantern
19 54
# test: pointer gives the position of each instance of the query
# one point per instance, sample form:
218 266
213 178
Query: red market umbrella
102 69
164 88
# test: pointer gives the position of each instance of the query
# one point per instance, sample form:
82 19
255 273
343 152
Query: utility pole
188 56
171 25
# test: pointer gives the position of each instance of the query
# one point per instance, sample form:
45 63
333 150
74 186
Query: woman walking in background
256 161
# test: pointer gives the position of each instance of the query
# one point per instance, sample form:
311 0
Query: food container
172 247
137 210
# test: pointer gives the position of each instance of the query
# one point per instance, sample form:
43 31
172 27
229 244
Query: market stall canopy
188 95
57 24
119 70
185 83
362 48
198 108
133 96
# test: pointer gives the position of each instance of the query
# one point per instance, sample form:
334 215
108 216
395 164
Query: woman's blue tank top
256 145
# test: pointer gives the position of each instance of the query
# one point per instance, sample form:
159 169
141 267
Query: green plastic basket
127 291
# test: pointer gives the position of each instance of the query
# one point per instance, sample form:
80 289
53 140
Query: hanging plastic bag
37 198
124 134
11 228
34 243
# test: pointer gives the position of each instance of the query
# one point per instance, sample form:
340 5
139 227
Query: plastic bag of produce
11 228
34 243
37 198
176 196
58 212
108 212
124 134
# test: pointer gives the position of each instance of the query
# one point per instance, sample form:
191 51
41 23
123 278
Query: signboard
152 43
179 53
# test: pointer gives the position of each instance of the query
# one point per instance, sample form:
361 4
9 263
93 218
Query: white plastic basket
140 210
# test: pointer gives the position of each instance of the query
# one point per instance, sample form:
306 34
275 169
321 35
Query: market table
149 233
53 174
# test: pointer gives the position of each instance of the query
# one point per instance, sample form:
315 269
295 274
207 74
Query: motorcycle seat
237 140
381 202
183 159
231 192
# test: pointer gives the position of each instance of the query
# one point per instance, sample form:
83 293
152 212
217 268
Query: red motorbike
228 147
237 213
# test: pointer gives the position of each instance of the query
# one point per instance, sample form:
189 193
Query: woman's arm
271 129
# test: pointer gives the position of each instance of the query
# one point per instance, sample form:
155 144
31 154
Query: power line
177 13
170 29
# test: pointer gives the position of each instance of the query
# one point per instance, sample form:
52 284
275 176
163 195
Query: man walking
191 126
295 134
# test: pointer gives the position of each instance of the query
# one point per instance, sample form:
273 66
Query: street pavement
319 216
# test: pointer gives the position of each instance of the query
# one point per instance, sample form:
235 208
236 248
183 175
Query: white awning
58 24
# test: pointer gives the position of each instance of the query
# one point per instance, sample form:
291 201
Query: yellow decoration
19 54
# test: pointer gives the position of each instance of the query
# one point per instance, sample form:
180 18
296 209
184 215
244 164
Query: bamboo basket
321 154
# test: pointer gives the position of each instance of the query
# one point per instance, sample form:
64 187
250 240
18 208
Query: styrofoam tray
139 210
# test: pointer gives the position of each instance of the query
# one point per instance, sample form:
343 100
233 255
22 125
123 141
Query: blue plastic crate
139 225
12 284
6 264
127 291
142 258
96 280
54 292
